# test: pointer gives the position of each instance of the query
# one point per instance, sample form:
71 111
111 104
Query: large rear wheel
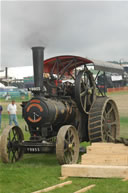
103 121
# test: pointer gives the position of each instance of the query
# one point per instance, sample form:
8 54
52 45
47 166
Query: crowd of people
12 110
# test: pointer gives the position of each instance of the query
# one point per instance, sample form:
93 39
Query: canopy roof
61 64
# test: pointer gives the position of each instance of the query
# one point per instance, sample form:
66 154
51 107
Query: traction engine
64 110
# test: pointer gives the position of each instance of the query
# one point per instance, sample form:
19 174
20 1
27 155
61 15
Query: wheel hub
70 146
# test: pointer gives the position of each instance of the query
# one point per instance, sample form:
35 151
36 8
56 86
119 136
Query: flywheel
103 121
67 145
85 90
10 144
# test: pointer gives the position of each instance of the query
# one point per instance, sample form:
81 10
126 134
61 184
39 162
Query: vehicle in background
9 92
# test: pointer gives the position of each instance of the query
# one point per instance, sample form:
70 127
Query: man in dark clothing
1 109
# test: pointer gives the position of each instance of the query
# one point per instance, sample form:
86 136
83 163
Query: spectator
12 113
1 109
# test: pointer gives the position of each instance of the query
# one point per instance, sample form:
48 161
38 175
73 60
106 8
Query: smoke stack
38 59
6 72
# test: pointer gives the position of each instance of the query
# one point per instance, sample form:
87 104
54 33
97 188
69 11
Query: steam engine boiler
64 110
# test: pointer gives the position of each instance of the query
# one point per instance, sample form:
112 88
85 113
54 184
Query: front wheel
11 139
67 145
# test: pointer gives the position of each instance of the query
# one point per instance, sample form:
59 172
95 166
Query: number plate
33 149
34 89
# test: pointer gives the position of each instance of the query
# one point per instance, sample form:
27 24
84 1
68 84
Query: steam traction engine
63 111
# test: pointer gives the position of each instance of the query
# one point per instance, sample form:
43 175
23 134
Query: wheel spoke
89 100
71 138
85 86
66 141
110 136
109 111
83 93
69 135
113 123
9 137
103 119
85 101
65 150
14 136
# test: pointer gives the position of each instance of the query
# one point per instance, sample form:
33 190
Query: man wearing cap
12 113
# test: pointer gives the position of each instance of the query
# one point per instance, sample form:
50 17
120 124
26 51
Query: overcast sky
93 29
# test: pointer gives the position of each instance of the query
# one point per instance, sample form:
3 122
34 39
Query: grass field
34 172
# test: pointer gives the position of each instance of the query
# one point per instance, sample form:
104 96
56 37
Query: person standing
12 109
1 109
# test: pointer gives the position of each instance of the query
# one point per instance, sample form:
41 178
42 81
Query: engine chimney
38 59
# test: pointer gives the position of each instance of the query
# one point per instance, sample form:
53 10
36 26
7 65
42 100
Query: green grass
37 171
117 93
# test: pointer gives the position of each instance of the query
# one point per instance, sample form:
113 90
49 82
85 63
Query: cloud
89 29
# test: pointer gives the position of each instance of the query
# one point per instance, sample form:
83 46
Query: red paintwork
63 62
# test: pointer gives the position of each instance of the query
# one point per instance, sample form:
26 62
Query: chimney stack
38 63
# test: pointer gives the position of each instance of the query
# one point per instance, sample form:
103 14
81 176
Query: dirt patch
122 103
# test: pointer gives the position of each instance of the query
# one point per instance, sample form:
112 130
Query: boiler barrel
43 112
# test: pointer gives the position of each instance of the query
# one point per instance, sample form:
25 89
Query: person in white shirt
12 113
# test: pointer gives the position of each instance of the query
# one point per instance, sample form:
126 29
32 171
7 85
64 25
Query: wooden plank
107 144
78 170
53 187
63 177
85 189
125 179
105 159
107 150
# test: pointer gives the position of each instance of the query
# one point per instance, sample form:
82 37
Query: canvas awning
108 67
67 62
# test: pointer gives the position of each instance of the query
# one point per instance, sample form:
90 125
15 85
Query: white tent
2 85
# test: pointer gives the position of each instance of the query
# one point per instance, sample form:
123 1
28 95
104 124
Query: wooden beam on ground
53 187
63 177
85 189
105 159
94 171
107 149
96 144
125 179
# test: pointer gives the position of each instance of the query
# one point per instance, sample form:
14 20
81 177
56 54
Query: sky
92 29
